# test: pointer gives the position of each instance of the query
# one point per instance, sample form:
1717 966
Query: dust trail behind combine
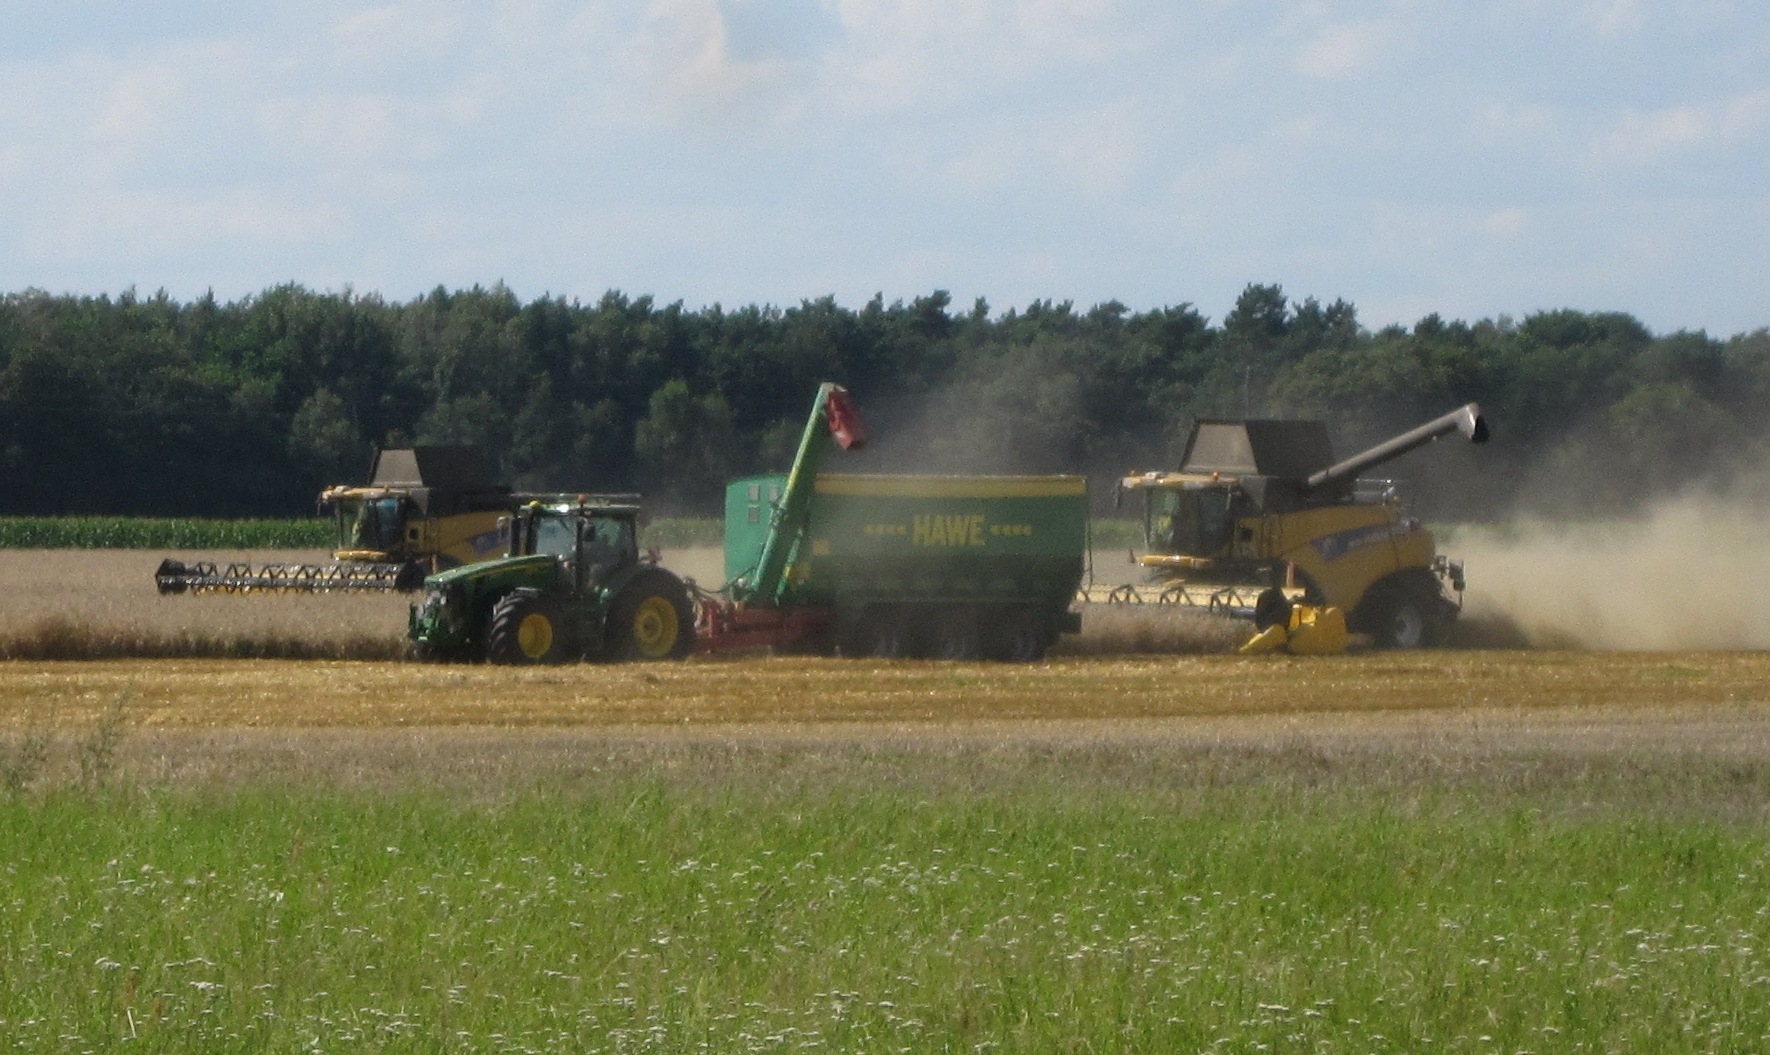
1682 576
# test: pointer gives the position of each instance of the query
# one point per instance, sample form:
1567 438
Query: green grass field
877 895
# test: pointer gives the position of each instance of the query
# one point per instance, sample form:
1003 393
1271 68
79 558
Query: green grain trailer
956 567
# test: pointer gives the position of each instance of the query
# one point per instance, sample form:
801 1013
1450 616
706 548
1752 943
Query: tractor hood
539 569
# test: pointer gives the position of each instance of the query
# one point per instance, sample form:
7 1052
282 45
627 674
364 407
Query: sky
1470 159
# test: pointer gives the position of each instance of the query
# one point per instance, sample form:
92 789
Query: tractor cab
591 536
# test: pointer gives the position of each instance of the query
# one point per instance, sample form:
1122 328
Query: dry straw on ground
102 604
90 604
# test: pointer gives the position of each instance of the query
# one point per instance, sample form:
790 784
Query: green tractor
572 586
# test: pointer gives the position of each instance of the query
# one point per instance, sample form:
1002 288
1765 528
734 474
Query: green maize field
163 533
191 533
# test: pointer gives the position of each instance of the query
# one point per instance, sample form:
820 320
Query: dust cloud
1680 576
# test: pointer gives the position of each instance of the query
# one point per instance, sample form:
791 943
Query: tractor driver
606 546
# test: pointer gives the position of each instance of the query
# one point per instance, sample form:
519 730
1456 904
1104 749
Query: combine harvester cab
953 567
424 509
1260 517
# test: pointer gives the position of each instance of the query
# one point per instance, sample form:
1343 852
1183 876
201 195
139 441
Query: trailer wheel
525 628
957 636
1017 637
877 633
652 619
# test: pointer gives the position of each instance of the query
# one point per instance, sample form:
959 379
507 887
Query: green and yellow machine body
958 567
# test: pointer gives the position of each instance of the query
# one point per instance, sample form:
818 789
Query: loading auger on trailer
1259 516
961 567
424 509
954 567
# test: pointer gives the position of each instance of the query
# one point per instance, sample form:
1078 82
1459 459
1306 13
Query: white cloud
397 33
1615 17
685 51
1508 222
139 226
898 54
1348 49
1502 124
1400 152
1646 137
136 106
1745 117
1093 152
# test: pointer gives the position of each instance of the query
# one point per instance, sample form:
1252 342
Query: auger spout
1465 419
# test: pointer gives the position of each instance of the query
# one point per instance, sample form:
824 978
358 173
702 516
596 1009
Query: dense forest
147 406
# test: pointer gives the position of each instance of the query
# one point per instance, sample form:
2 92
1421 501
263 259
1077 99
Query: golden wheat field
1151 675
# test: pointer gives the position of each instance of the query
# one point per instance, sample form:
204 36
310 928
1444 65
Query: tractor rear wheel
525 628
651 619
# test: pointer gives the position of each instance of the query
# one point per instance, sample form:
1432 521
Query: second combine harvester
958 567
1259 516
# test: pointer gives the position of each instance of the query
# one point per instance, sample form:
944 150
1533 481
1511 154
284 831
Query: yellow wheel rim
655 628
534 635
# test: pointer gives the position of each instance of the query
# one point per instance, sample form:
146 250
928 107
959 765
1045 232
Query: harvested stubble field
1178 850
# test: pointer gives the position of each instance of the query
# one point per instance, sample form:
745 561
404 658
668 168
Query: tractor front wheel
525 629
652 619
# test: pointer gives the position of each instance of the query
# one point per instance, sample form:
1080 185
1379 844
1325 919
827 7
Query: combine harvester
932 566
1260 519
424 509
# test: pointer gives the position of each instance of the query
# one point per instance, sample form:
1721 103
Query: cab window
1189 523
557 537
608 542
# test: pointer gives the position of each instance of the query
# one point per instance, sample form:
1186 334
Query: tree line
133 405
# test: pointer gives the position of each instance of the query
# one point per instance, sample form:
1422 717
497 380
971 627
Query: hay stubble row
1178 681
1507 688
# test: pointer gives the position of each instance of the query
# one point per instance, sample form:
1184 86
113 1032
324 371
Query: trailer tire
1017 637
877 633
651 619
957 635
525 628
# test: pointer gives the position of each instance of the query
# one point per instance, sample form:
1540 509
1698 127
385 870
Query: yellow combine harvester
1259 517
424 509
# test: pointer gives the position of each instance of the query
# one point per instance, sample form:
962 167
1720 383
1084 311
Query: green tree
324 441
685 448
